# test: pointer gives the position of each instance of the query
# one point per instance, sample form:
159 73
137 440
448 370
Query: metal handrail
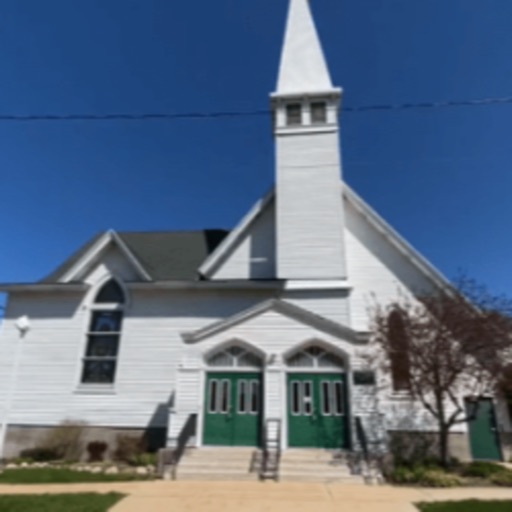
271 455
362 439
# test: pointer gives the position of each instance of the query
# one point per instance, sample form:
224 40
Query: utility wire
249 113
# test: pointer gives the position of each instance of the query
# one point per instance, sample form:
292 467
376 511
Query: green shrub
503 478
129 448
424 476
39 455
402 475
144 459
482 469
66 440
439 478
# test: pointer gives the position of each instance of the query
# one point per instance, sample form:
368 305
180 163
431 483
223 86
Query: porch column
275 394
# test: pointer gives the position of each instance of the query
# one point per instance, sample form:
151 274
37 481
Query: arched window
235 357
100 359
315 357
399 352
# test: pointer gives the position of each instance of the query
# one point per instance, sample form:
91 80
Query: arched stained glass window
104 334
315 357
235 357
110 293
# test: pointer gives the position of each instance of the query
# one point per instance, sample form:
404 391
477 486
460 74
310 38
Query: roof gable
93 255
154 256
249 249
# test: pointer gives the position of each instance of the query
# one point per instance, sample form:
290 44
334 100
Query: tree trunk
444 453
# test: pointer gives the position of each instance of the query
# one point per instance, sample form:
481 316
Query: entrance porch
275 362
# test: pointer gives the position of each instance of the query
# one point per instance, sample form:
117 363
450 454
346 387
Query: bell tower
309 213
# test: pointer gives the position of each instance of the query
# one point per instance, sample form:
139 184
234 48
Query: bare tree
445 347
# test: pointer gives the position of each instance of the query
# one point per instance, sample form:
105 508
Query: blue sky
442 177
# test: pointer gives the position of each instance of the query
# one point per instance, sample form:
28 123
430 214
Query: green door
483 434
232 415
317 410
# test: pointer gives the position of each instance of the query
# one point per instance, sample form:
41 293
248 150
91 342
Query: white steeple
309 203
303 67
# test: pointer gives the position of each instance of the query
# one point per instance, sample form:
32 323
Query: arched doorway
233 398
317 400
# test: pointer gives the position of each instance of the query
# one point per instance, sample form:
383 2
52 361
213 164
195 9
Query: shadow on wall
156 430
188 432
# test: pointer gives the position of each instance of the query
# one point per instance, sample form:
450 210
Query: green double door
233 405
317 410
483 432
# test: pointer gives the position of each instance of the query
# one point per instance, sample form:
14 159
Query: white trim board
95 251
376 221
221 253
285 308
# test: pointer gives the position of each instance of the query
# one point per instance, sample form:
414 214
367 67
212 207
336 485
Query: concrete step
226 474
219 455
352 480
243 464
304 470
216 466
314 455
228 464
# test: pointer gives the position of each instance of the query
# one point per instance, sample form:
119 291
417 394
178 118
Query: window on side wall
104 335
399 352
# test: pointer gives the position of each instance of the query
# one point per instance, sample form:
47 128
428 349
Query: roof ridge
179 231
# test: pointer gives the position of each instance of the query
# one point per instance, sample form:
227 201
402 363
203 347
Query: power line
249 113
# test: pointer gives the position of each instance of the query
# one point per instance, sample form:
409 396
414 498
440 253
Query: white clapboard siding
254 257
331 304
188 402
274 393
309 206
48 390
377 270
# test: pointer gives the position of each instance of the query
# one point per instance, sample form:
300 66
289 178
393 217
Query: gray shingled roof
164 255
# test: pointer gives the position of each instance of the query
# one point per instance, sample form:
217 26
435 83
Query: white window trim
108 388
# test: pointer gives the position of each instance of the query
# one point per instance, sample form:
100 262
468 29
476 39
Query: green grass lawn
467 506
60 476
59 503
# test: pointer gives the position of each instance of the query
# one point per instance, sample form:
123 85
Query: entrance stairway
311 465
219 464
296 465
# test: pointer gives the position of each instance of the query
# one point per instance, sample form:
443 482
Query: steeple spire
303 66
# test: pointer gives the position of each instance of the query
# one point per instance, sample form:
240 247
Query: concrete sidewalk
263 497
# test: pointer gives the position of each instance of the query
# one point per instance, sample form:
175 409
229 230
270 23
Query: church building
207 338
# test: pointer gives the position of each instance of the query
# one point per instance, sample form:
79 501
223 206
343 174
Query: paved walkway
263 497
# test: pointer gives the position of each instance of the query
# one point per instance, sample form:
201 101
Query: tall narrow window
399 352
100 360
